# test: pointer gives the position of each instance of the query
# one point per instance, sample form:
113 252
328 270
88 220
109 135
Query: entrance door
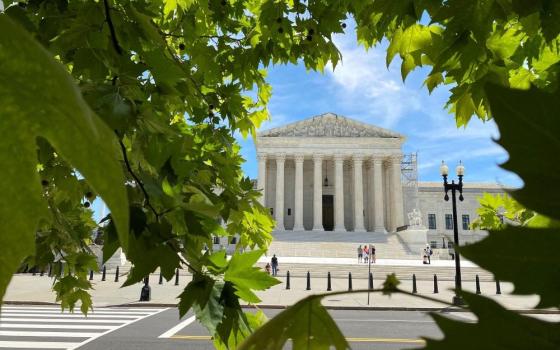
328 212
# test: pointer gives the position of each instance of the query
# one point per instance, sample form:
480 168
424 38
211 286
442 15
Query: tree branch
136 179
111 28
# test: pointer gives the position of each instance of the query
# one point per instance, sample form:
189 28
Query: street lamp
444 170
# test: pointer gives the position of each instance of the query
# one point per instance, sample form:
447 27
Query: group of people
272 265
366 253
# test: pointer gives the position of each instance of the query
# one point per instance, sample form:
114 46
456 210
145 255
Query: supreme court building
332 173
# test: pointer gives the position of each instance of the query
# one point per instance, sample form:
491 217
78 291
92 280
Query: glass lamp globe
460 169
443 169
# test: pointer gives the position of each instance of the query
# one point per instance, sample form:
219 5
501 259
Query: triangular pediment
329 125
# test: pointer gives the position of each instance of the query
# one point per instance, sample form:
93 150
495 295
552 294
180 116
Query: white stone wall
431 201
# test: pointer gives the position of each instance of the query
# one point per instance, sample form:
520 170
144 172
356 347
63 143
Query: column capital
298 157
339 157
358 158
395 158
376 161
262 156
318 156
280 157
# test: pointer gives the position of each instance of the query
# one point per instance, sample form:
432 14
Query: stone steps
380 271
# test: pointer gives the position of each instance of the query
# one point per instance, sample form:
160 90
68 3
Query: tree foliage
138 102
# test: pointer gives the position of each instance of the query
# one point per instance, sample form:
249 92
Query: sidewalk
354 261
26 288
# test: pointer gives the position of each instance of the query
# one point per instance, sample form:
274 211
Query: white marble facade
331 173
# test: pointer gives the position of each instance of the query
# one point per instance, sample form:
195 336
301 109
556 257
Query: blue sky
362 88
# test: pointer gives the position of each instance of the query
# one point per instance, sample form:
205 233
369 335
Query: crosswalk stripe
55 326
6 307
58 320
37 345
69 315
59 312
19 326
47 334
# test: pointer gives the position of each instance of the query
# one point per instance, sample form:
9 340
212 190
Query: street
45 327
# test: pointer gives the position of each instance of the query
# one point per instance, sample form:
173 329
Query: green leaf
529 126
528 257
391 284
247 277
38 98
307 323
496 328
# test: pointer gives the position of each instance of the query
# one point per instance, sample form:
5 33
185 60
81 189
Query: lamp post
453 187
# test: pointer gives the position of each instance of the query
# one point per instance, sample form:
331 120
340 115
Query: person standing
429 252
366 254
372 253
274 263
360 254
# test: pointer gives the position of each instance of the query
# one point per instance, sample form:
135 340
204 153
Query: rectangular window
450 245
448 222
289 211
216 240
233 240
432 221
433 244
466 222
271 211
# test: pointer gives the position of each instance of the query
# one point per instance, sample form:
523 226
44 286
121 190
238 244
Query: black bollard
145 293
103 275
160 278
329 281
308 281
91 275
477 285
287 279
177 277
50 270
498 289
436 289
414 284
349 281
370 286
117 275
42 272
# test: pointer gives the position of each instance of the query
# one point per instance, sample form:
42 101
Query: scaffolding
409 177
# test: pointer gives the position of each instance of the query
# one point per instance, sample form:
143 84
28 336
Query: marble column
339 193
397 216
261 181
358 194
298 205
378 221
317 193
279 210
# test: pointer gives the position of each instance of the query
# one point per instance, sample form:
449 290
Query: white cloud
365 86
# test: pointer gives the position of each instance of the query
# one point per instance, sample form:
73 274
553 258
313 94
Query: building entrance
328 212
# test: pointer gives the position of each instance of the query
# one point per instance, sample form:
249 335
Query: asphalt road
364 330
34 327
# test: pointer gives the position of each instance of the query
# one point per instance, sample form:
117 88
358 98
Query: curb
280 307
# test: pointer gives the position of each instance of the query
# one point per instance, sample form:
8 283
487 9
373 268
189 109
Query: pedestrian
429 252
360 254
372 253
366 254
267 268
274 263
424 256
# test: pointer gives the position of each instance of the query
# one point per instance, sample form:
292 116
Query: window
289 211
466 222
450 244
432 221
216 240
448 222
433 244
271 211
233 240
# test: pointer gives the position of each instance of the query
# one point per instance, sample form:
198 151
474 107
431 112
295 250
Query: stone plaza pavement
25 288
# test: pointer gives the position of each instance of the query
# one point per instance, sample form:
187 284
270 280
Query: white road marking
178 327
68 315
47 334
58 320
54 326
133 309
36 345
59 312
111 330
